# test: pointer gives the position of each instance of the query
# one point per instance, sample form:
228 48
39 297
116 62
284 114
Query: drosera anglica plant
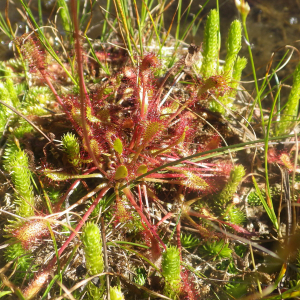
131 150
138 147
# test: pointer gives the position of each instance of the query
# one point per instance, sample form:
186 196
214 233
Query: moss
18 165
230 188
210 44
92 242
71 146
290 111
23 262
171 272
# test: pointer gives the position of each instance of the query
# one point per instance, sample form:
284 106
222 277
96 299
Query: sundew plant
128 170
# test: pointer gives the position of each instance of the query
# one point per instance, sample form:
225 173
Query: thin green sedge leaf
258 95
86 14
273 286
273 89
49 286
70 258
105 20
65 15
126 243
278 102
2 294
141 256
292 293
267 145
55 248
193 21
139 28
124 21
178 19
187 14
269 78
156 33
19 294
4 28
104 68
56 277
170 27
254 266
40 12
186 32
187 266
184 35
281 274
269 210
48 201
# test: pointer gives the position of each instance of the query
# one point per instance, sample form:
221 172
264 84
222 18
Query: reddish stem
83 92
236 227
59 204
167 216
148 158
132 142
53 89
130 197
178 238
143 100
166 175
80 224
140 196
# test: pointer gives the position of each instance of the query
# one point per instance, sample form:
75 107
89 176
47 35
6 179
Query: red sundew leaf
150 60
213 143
286 161
122 214
155 249
33 52
282 158
240 229
29 232
237 228
194 181
34 287
130 73
153 129
188 288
